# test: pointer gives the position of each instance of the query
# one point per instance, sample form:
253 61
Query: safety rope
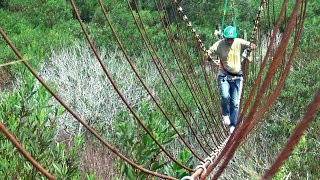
197 40
180 60
257 22
163 72
262 112
218 132
257 81
233 13
138 76
146 88
197 37
183 69
294 138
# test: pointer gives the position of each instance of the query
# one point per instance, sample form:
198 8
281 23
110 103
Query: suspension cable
115 86
158 63
185 75
227 148
245 64
264 62
195 36
199 89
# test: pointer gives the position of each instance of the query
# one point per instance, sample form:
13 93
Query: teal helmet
230 32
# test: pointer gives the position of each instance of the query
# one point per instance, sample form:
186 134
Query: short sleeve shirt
230 55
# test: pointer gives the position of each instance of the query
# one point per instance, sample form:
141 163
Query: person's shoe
231 129
226 120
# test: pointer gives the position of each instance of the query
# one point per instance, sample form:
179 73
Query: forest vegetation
50 39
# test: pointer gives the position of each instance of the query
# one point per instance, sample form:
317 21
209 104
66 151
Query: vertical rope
162 71
184 71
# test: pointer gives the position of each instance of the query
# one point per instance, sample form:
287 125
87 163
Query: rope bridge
213 147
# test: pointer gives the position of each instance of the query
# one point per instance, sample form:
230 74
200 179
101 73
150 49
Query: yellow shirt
230 55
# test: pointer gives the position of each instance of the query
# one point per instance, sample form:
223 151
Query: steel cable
264 62
246 67
188 146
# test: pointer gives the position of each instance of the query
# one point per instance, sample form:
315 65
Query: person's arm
247 45
208 55
211 51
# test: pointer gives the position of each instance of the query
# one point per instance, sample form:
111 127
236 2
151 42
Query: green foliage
175 170
33 40
311 36
301 84
44 13
303 162
28 116
36 26
125 26
139 146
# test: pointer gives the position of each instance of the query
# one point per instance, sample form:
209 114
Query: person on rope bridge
229 50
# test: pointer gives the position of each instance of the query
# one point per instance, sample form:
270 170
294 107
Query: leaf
57 168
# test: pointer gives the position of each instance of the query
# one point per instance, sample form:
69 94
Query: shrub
28 116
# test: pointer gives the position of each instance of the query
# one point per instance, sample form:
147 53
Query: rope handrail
198 41
198 89
245 65
114 84
314 106
173 5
